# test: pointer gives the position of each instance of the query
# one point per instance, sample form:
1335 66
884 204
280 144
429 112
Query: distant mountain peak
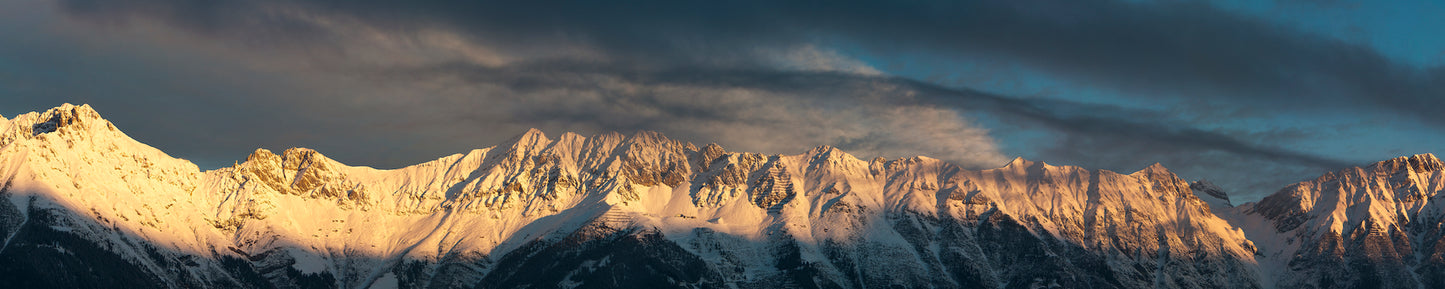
532 135
1366 215
648 137
290 155
583 211
1019 162
64 116
828 152
1156 168
1426 162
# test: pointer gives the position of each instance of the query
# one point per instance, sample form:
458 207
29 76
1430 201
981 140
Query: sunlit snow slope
1378 226
89 206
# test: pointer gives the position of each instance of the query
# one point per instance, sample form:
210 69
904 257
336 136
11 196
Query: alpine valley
86 206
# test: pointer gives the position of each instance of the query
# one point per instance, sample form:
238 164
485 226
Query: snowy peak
1362 215
78 131
304 158
825 151
297 171
1338 200
66 116
529 141
1164 181
707 155
531 135
1416 164
656 145
292 159
68 119
646 137
914 221
832 157
1019 162
1154 169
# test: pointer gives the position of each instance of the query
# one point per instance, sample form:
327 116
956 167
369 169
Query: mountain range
86 206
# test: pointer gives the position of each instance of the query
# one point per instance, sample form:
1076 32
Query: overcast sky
1252 95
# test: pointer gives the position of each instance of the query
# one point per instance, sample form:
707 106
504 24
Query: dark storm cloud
1170 47
666 56
1092 135
1140 127
1132 125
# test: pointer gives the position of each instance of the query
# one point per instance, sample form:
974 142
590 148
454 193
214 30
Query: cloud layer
391 83
1152 48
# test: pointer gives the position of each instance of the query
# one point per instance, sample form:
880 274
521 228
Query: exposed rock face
615 211
1372 227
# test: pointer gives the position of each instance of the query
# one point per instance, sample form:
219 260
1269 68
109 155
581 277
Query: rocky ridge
580 211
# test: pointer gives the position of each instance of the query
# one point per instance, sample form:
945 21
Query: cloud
770 75
388 98
765 111
1152 136
1148 48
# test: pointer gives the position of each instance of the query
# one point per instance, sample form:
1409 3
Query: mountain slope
87 207
1378 226
608 211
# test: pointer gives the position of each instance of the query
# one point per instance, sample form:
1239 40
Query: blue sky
1252 95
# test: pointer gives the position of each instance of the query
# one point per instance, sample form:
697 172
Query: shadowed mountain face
86 206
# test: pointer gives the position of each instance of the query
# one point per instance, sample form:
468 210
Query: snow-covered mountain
91 207
1378 226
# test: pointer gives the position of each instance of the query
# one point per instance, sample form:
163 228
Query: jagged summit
533 132
1372 215
1019 162
648 137
830 154
823 150
78 129
64 117
291 158
1419 163
532 138
1156 168
581 211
